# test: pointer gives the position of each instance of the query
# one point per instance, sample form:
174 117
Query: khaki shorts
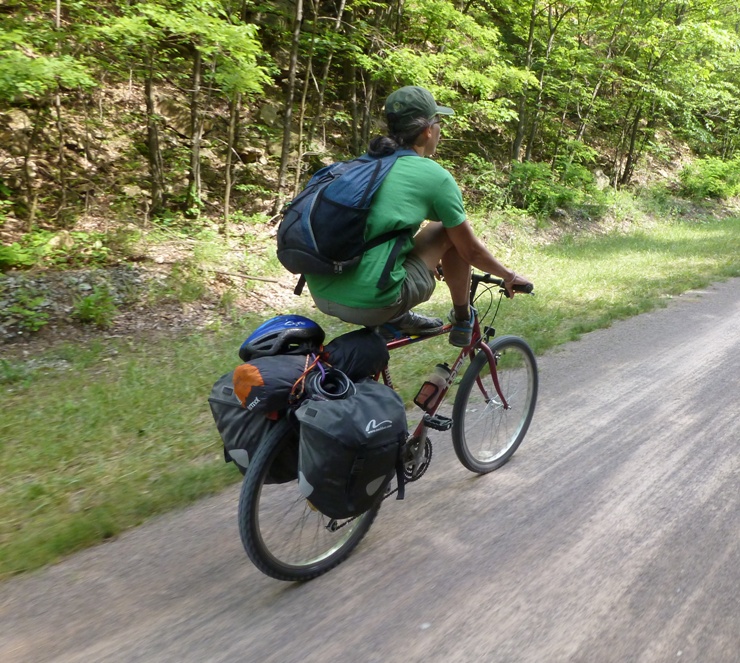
417 287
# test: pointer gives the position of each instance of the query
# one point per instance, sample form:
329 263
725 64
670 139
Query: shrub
98 308
15 256
12 373
482 183
534 188
25 312
55 249
711 178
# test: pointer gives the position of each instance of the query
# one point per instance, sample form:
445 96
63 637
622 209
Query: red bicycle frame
477 343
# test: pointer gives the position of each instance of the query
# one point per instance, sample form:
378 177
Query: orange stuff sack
264 384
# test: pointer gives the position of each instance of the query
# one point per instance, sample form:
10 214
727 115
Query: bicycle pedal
437 422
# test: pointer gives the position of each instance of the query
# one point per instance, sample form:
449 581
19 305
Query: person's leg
432 244
366 317
396 319
418 287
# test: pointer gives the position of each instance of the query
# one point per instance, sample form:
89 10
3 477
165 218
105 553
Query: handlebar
494 280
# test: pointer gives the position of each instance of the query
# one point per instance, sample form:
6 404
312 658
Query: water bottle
432 388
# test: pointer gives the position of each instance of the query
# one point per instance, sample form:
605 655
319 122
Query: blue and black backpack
323 228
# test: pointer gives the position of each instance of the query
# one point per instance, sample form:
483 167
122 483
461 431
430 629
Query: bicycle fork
494 376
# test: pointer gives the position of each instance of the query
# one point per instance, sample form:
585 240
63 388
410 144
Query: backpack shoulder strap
399 235
299 286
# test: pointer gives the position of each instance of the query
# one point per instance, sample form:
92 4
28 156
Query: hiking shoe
461 334
410 324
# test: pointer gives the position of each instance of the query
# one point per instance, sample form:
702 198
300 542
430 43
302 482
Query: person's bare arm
475 253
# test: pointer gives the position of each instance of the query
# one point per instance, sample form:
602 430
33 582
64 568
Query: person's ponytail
382 146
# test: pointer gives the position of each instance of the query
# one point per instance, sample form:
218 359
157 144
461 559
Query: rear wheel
485 432
283 534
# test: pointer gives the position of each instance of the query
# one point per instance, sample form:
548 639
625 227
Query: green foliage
45 248
227 301
533 187
208 251
254 190
456 55
186 283
14 256
577 176
98 308
711 178
258 219
14 372
561 78
482 183
27 74
26 311
542 191
233 49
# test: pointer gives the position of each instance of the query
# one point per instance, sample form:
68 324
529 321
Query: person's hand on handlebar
517 283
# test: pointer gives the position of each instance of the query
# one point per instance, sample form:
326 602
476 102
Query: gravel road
612 536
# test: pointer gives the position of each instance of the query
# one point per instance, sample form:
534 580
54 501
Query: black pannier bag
242 431
359 354
264 384
350 449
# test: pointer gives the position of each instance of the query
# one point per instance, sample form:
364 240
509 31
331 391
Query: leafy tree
37 66
156 39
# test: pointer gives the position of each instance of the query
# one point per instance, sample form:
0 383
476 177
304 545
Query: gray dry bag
350 449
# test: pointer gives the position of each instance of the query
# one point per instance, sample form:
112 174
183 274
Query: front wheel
283 534
485 432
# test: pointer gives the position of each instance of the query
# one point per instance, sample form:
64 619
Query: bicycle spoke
488 428
282 534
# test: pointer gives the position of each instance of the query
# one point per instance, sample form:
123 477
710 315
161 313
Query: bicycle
288 539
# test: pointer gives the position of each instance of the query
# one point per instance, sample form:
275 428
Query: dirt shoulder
146 295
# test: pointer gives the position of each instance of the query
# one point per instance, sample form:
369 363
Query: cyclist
415 190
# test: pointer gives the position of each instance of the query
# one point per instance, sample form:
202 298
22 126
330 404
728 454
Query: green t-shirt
415 190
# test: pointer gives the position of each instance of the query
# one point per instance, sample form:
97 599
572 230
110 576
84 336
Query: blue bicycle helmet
284 334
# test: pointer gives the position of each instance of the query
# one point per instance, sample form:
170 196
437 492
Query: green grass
111 434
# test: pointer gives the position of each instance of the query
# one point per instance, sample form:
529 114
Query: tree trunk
156 168
29 171
617 30
192 202
629 165
234 108
399 18
304 96
61 166
319 108
553 28
516 147
367 112
354 105
289 97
